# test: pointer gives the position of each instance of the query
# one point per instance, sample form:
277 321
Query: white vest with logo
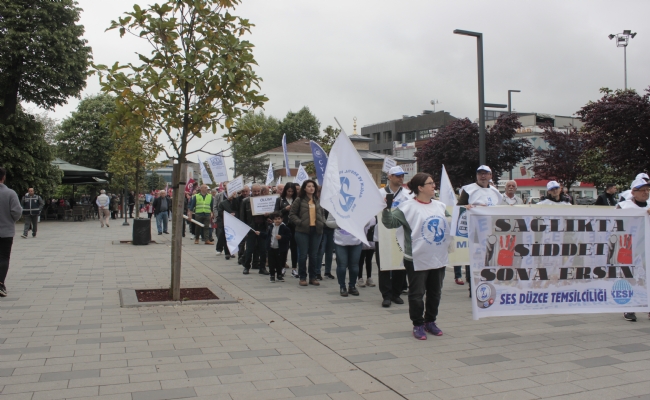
402 196
429 234
480 196
630 204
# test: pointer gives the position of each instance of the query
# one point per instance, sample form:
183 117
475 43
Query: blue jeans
347 257
161 222
458 274
326 248
307 247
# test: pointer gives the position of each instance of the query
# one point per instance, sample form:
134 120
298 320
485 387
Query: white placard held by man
205 177
218 168
388 164
261 205
235 185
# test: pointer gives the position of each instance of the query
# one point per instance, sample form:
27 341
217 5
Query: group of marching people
301 226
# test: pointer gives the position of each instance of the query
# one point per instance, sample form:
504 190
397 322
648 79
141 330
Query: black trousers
293 246
277 259
366 257
131 210
255 244
390 282
222 244
423 284
5 253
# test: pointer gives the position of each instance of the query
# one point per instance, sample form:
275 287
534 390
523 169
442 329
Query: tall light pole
509 106
481 92
622 40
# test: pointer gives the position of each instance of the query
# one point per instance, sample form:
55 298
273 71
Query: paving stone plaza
64 335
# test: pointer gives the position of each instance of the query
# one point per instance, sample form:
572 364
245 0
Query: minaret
354 131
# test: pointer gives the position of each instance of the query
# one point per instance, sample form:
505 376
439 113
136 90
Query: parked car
585 201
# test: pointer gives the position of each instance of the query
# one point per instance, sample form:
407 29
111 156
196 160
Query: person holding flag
392 281
427 244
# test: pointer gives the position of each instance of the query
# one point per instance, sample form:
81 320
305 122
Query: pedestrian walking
426 251
366 255
160 206
256 239
640 191
131 200
103 203
32 206
10 212
307 216
608 197
283 206
201 209
279 238
348 251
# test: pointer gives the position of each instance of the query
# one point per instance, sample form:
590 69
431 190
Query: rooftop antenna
433 103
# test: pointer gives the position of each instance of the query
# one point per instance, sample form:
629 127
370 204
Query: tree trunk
178 185
137 188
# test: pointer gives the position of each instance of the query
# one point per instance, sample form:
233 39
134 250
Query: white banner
269 174
388 164
459 230
218 168
235 185
301 176
235 231
349 191
205 177
261 205
557 260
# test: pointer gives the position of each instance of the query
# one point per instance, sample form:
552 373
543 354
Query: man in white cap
627 195
554 196
391 282
476 194
640 190
103 204
480 193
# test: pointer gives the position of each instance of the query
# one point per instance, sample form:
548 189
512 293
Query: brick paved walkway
64 335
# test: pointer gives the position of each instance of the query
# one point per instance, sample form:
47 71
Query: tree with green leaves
44 57
27 156
154 181
254 169
254 133
594 168
85 138
198 78
300 125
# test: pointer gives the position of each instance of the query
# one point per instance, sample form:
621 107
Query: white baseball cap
642 175
396 171
639 183
552 185
484 168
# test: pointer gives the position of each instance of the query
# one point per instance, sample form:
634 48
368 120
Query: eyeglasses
646 190
429 183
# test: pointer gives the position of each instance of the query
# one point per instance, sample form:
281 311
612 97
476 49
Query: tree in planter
199 77
44 58
85 138
456 147
560 162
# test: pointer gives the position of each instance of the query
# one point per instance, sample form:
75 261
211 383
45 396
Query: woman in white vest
640 191
426 247
554 196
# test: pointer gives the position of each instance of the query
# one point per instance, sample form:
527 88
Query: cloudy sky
378 60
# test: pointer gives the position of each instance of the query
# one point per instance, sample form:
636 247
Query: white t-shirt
480 196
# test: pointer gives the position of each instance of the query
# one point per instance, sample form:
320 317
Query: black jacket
285 232
256 222
280 206
224 206
606 199
157 202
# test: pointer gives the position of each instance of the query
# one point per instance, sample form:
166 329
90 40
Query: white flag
349 192
301 176
218 168
269 174
205 177
446 190
235 231
279 180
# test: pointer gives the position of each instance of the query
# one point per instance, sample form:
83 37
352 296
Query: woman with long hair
427 243
307 216
283 206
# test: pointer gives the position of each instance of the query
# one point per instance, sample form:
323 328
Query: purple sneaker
432 328
418 332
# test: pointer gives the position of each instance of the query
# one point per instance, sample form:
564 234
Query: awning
78 175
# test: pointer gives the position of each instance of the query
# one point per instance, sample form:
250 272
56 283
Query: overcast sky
378 60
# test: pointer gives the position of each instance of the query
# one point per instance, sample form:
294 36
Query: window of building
297 164
388 137
409 137
388 151
377 137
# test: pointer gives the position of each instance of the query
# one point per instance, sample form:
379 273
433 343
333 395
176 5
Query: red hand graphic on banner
507 250
625 250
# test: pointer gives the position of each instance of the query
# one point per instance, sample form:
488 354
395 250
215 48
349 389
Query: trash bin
141 231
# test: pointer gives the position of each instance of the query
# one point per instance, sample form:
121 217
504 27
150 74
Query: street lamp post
481 93
622 40
509 106
125 201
